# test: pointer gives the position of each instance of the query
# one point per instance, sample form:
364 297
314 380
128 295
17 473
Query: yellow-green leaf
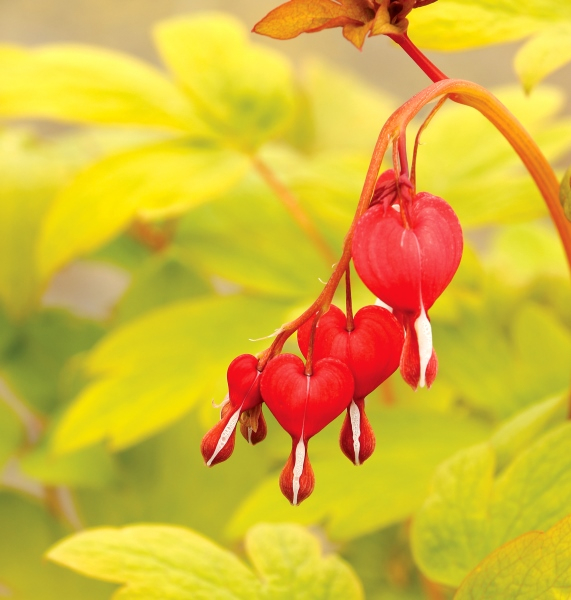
565 193
477 503
92 85
154 181
291 564
172 563
153 370
534 566
543 54
243 91
158 562
463 24
30 173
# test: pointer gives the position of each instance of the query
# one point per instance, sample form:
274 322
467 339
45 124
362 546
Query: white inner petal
249 435
424 335
225 436
298 468
379 302
355 417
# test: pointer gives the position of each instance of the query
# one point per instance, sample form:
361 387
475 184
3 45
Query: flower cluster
406 249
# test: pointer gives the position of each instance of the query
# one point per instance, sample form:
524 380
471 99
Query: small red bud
218 444
357 438
243 395
297 479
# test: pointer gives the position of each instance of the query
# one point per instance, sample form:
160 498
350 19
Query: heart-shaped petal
304 404
371 350
408 267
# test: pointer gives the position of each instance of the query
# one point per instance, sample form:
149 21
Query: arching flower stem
463 92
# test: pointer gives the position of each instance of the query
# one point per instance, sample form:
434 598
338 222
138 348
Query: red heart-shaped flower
243 395
371 350
408 267
305 404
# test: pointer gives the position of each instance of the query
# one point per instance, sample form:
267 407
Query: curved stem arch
463 92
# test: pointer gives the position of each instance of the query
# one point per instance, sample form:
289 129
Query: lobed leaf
534 566
91 85
484 497
244 92
156 561
463 24
153 182
153 370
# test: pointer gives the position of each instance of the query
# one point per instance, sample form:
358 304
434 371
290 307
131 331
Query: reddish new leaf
358 18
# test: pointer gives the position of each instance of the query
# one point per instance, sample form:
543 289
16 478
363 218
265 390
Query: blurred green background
142 248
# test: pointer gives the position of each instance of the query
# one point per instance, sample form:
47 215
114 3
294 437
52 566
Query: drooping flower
243 399
303 405
371 348
407 256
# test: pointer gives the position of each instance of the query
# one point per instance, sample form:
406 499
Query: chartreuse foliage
462 24
173 563
144 378
491 493
534 566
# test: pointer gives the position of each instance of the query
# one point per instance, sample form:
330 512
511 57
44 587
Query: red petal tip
218 444
297 479
357 438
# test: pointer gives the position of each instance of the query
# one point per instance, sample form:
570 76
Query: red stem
429 68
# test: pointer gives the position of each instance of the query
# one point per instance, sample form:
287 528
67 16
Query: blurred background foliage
144 243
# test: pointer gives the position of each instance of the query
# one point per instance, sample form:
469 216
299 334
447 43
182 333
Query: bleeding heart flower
371 350
408 263
243 397
303 405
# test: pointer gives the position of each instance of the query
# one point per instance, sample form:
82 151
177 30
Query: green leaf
464 24
389 487
475 507
243 91
154 369
30 173
290 563
544 53
241 238
92 85
156 181
534 566
40 349
565 193
28 530
173 563
162 278
11 433
332 92
158 562
477 172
